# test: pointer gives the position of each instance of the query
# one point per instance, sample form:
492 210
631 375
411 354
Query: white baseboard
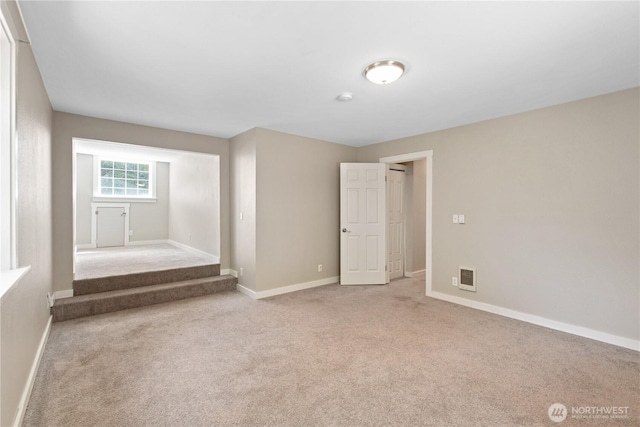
129 243
214 258
287 289
541 321
415 273
147 242
67 293
28 387
230 272
248 292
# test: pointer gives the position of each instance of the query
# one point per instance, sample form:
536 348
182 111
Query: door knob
344 230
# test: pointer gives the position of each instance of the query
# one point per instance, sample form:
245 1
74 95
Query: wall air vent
467 279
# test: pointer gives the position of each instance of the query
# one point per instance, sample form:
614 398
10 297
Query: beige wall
415 215
298 205
287 188
149 221
24 312
419 214
67 126
84 198
551 199
243 201
194 207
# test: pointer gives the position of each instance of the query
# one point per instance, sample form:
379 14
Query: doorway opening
420 164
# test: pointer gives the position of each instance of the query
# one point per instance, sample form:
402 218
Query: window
7 163
123 179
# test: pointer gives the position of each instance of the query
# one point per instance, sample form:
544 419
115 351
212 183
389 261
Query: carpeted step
134 280
107 302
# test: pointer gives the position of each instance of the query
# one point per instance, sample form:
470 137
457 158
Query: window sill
125 200
9 278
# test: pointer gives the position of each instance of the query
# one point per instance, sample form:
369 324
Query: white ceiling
221 68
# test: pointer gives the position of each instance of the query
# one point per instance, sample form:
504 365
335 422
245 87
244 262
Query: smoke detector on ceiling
345 97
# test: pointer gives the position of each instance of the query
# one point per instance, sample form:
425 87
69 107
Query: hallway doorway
427 158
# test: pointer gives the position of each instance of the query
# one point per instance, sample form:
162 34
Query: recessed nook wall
68 126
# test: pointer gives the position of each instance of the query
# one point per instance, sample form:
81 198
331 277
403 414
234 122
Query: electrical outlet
319 268
461 219
130 232
454 281
241 271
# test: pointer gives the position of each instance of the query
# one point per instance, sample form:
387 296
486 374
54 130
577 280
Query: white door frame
428 156
94 223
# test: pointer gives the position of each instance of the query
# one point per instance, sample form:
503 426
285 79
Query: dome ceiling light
384 72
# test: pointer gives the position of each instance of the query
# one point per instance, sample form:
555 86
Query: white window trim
97 197
8 164
94 222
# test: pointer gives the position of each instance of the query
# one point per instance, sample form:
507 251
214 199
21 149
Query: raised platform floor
114 279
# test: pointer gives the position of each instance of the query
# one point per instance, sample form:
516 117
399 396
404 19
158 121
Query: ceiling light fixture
384 72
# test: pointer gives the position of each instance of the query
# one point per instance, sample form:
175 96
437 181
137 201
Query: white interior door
395 217
110 226
362 224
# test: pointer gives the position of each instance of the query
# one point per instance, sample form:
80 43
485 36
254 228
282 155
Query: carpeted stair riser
127 281
107 302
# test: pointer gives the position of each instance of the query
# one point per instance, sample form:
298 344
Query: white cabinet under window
109 225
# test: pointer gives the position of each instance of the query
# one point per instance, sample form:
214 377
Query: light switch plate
461 219
455 219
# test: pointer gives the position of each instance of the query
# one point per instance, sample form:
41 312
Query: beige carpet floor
103 262
329 356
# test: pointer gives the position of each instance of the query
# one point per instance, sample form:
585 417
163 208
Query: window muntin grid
124 179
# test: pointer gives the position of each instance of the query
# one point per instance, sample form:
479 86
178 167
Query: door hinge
97 212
